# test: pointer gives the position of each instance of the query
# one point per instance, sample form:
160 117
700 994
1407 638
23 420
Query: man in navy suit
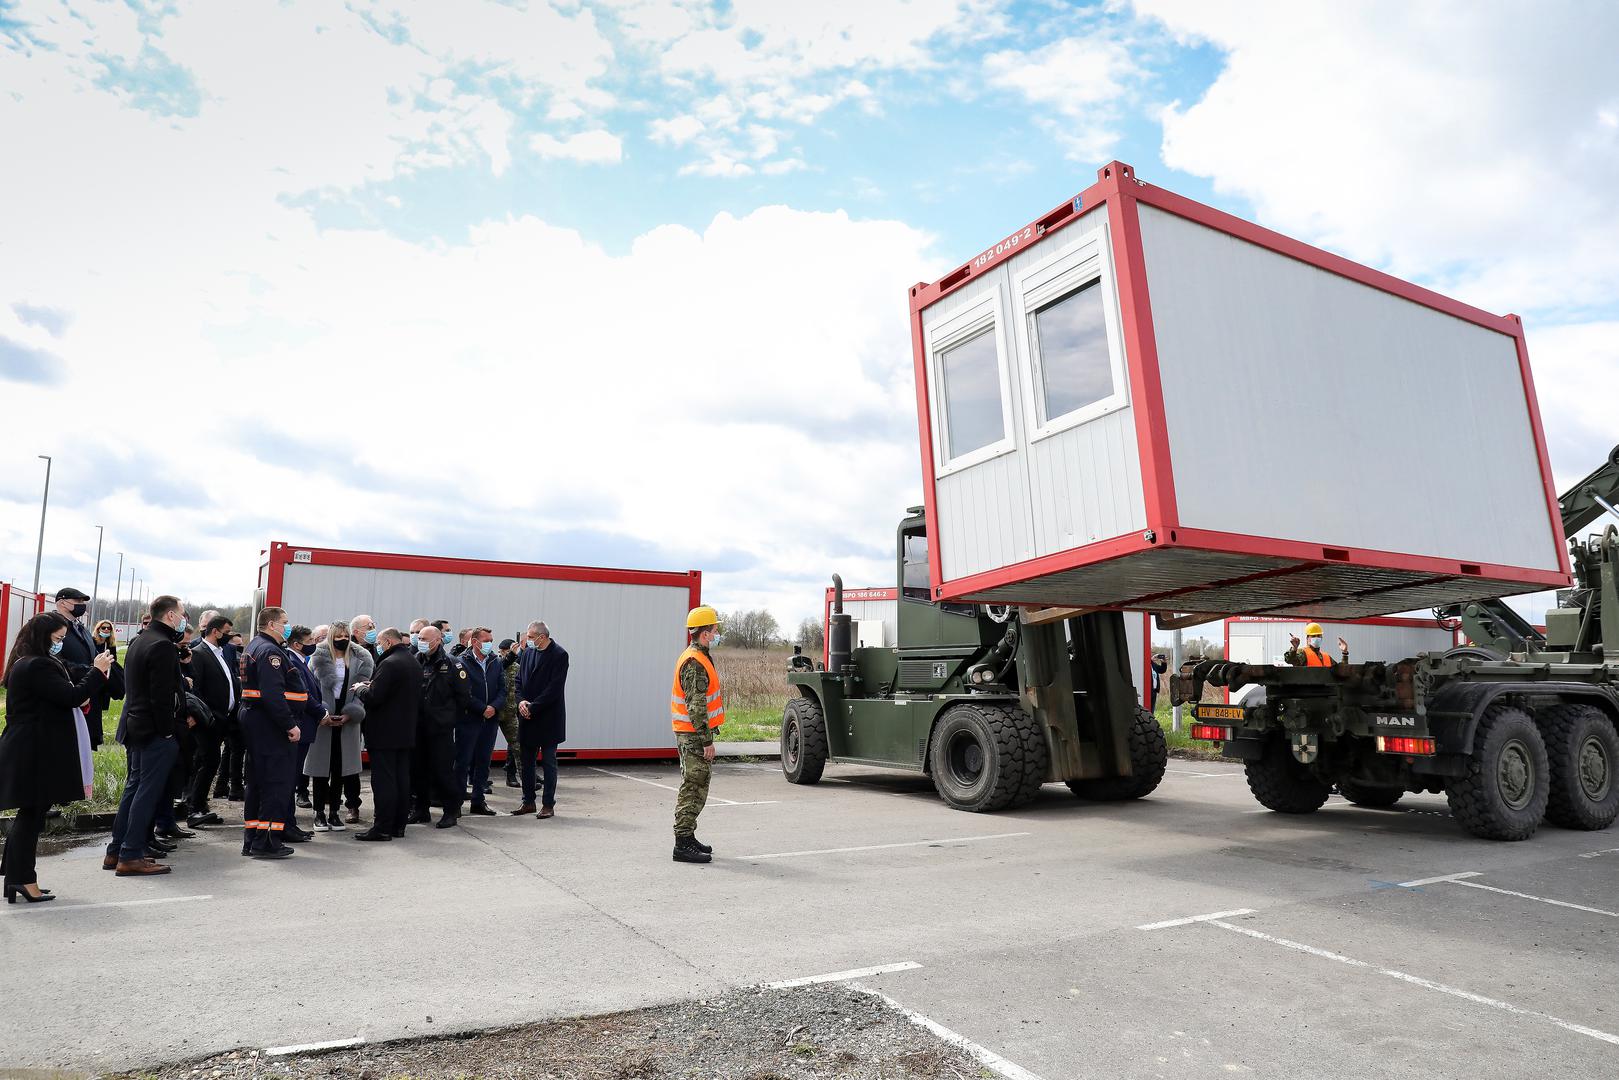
78 651
542 713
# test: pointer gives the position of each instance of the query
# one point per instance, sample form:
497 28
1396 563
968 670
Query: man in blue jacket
475 734
542 712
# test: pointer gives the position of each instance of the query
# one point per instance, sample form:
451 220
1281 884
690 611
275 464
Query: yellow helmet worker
700 617
1312 655
697 709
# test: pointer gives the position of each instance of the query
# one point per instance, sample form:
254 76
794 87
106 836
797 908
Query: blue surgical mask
185 624
370 637
423 647
487 648
286 631
56 647
414 638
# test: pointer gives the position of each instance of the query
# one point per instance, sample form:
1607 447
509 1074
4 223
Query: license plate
1219 712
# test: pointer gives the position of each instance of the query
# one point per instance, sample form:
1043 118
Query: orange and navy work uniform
697 698
272 698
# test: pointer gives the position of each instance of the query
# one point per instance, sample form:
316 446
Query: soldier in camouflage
697 708
508 711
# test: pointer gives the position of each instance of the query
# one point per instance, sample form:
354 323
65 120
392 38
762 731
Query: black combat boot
700 846
686 850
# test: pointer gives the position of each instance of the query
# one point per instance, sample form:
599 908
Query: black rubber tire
1582 749
1149 755
803 741
1504 792
986 757
1372 797
1281 784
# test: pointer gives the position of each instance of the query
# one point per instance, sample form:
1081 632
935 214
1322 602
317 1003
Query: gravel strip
804 1033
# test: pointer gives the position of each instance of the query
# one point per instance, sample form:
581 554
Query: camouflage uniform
695 771
508 721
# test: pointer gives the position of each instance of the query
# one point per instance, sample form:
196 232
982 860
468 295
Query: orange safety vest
678 712
1314 657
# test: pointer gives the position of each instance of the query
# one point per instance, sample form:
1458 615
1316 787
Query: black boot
700 846
686 850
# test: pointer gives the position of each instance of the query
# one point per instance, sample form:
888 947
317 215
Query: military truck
1513 728
991 703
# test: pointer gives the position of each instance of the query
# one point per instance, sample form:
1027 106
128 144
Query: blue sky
502 279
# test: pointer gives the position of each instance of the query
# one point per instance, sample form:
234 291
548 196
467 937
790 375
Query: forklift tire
1149 754
1583 751
1282 784
803 741
1504 792
986 757
1371 797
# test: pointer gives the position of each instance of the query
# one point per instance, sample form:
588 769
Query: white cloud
589 147
676 130
1080 79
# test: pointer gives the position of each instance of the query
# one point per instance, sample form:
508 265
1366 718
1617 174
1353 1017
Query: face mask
370 637
414 638
1315 643
56 647
286 632
714 642
339 644
185 624
308 650
79 609
487 648
422 647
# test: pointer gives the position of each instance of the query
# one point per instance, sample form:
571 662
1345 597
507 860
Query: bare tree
811 635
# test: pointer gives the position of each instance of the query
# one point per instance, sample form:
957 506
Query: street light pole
117 590
95 589
39 553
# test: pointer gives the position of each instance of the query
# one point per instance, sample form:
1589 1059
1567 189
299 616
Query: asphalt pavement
1190 934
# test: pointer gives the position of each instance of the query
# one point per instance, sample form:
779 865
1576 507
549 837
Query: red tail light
1210 732
1403 744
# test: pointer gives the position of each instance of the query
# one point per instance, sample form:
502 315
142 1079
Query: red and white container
623 629
1138 401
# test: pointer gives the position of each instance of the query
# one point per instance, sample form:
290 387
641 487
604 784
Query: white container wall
1263 641
1140 402
623 629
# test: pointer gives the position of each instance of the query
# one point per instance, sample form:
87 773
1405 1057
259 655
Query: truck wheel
1503 794
986 757
803 741
1149 754
1363 795
1281 784
1583 751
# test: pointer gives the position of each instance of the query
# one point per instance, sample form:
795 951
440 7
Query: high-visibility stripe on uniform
679 712
275 826
250 824
290 696
1314 657
250 693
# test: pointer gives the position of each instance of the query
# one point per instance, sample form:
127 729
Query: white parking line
844 976
666 787
1525 896
884 847
305 1048
1465 995
1167 923
1599 854
118 903
985 1057
1437 880
1202 775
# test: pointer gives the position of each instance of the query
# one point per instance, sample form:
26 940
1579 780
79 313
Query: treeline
758 629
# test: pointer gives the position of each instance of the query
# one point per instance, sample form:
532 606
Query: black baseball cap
508 643
70 594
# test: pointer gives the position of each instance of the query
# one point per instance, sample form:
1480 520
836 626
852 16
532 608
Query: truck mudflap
1454 711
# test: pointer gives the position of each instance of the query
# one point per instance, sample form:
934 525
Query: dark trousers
547 754
332 785
22 844
432 771
302 751
232 761
269 784
204 764
474 743
390 789
145 787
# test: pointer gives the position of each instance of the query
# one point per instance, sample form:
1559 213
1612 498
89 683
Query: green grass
750 725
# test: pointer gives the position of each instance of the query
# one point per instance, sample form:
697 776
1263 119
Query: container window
916 583
1075 368
972 395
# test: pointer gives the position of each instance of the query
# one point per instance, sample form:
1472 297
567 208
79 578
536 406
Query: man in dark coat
215 681
78 650
542 712
445 700
154 704
393 701
475 732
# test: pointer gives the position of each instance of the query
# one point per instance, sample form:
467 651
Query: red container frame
1122 194
279 556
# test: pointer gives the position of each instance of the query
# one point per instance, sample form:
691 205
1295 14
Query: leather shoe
548 811
400 835
176 833
526 808
352 817
271 853
140 868
482 810
372 834
290 837
303 800
109 862
423 818
511 781
449 821
197 821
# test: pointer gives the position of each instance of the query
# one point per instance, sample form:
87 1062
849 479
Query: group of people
266 720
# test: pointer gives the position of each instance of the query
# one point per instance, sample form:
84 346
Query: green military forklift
988 702
1515 727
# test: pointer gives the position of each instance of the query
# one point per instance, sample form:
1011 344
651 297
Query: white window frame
971 320
1087 260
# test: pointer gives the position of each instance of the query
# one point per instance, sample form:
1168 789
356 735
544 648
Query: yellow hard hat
1313 630
702 616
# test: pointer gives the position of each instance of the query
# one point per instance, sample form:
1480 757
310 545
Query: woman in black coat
40 764
106 641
